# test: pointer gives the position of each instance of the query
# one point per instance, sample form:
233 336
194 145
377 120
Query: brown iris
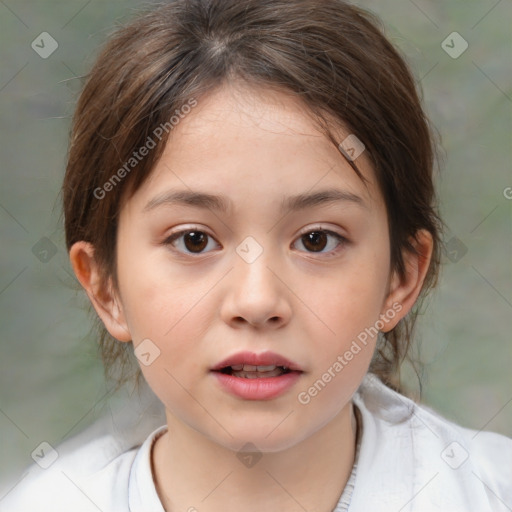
315 241
195 241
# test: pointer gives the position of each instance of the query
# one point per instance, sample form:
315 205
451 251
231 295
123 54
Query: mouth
249 365
251 376
249 371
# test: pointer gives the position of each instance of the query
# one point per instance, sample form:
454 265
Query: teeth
253 368
274 371
268 368
251 371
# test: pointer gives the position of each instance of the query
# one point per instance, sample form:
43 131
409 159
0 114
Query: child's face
305 298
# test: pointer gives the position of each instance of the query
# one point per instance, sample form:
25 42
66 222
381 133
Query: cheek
349 306
161 310
152 299
349 311
170 307
349 300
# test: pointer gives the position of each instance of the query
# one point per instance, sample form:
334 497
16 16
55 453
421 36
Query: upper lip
262 359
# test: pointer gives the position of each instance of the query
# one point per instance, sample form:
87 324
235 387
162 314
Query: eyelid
177 234
186 229
321 227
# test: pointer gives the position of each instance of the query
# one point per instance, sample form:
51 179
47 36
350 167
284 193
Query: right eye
192 240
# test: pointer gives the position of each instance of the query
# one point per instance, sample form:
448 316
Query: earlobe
101 292
405 291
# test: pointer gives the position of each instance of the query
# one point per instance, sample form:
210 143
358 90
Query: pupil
315 237
197 239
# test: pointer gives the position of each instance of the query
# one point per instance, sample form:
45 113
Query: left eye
318 239
196 241
193 240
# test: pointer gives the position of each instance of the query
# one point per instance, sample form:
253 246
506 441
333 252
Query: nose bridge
256 293
253 263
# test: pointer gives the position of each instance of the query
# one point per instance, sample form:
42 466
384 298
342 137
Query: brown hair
328 53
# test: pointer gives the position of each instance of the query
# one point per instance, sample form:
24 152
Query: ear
100 293
405 291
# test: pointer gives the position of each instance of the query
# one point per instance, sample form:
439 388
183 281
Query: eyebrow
222 203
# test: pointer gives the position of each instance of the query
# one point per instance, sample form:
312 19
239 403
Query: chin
262 436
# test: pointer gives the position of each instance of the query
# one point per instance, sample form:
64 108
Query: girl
249 205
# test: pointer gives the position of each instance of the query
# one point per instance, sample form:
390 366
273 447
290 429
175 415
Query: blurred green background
51 383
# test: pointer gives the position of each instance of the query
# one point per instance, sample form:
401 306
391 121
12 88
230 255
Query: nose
256 295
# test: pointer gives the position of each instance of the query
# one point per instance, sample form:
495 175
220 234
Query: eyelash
342 241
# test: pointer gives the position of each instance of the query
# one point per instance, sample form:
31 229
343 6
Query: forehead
265 108
258 140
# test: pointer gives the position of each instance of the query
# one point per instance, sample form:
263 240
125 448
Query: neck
194 473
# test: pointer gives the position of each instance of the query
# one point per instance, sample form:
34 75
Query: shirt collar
142 494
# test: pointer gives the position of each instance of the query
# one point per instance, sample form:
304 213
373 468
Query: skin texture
255 148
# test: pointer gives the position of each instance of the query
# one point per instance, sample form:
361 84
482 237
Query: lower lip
262 388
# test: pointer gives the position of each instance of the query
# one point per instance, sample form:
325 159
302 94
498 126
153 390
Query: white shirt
409 460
